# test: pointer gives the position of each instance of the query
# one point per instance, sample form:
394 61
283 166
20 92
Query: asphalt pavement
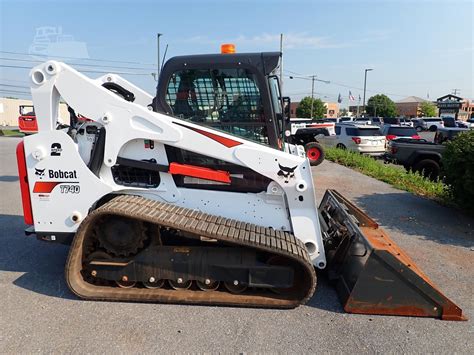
39 314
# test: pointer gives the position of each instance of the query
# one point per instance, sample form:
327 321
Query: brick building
467 110
410 106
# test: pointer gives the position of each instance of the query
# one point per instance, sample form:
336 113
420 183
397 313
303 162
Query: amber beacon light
227 48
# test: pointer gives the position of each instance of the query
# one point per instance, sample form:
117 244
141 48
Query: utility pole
313 79
365 85
281 62
456 91
312 95
158 35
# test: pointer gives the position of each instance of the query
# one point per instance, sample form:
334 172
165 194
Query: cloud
296 40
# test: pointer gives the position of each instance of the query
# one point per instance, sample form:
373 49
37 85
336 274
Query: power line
15 91
90 59
349 86
16 81
15 86
83 71
77 64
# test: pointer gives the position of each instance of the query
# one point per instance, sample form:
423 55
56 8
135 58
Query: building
332 109
467 110
410 106
354 110
293 107
450 105
10 110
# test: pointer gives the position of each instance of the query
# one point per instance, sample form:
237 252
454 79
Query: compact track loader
195 197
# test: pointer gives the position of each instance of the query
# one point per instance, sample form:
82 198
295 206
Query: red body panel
25 191
199 172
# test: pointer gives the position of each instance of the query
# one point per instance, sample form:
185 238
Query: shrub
458 165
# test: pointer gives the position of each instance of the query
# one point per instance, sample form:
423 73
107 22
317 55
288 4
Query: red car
27 120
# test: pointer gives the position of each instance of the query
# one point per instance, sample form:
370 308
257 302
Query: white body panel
288 203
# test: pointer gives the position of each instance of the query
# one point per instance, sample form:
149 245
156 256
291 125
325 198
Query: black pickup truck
419 154
416 155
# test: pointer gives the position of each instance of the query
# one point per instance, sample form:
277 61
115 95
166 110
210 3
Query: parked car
470 123
346 119
433 123
449 122
377 121
391 120
419 124
365 139
447 133
363 120
406 122
392 132
417 155
462 124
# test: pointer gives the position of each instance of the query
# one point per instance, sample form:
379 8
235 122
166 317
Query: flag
339 98
350 96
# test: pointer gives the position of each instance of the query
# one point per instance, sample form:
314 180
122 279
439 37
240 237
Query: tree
381 105
428 109
304 108
343 112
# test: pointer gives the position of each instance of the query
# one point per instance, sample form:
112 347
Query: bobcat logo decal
39 172
286 172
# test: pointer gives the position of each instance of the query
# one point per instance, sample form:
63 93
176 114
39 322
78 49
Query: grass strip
395 176
10 133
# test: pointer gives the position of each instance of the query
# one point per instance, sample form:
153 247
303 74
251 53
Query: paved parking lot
38 313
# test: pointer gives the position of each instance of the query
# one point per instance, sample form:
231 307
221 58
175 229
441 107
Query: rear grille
135 177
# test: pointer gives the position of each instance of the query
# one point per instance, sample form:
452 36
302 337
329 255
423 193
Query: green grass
10 133
395 176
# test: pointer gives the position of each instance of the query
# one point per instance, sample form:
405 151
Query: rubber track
198 224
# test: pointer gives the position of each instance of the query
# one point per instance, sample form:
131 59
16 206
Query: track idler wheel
154 284
125 283
208 285
235 287
180 284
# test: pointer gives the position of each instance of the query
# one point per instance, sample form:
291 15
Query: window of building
225 99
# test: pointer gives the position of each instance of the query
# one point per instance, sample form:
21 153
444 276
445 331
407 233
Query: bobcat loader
195 197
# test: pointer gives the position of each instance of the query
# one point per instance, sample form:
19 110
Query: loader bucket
372 274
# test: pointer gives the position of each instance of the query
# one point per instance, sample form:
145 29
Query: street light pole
365 85
312 95
158 35
281 62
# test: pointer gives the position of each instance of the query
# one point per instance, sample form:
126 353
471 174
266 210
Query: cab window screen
225 99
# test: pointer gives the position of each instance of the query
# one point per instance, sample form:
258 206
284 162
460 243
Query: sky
420 48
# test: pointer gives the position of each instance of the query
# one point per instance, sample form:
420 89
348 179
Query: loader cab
235 93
